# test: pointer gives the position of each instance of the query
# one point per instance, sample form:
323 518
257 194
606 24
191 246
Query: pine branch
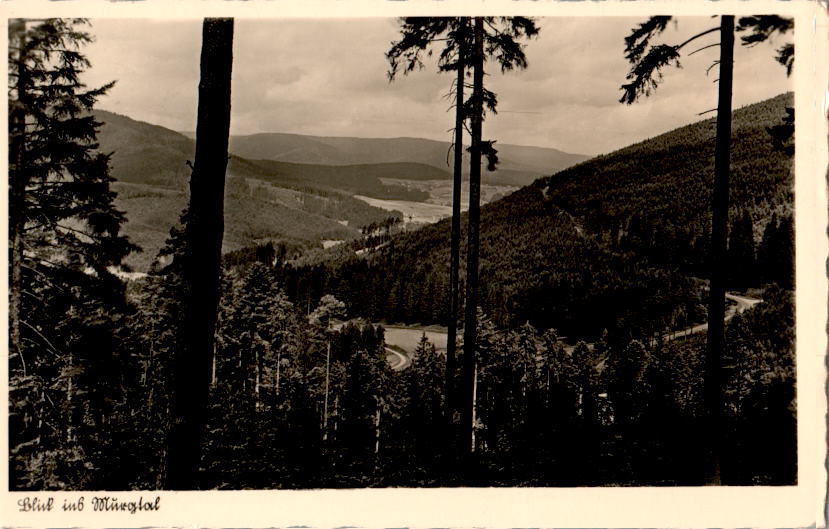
704 48
639 39
645 75
54 350
712 65
698 35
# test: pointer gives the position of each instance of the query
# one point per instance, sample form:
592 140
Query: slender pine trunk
455 248
192 365
258 381
474 406
377 430
474 215
719 237
278 368
325 403
70 412
17 190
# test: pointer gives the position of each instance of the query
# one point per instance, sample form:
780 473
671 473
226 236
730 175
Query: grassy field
407 338
440 191
420 212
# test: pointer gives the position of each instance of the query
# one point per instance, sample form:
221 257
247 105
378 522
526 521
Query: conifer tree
329 308
64 239
496 39
741 252
418 33
647 60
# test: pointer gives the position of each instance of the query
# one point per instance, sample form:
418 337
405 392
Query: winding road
401 341
742 304
397 360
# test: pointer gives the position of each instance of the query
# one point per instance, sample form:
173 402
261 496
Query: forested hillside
295 204
275 365
665 181
614 243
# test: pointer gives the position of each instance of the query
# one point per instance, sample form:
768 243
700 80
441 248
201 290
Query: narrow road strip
398 360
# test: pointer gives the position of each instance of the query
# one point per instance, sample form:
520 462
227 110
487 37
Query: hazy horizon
191 133
567 98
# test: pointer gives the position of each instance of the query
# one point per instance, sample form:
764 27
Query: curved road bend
398 360
743 304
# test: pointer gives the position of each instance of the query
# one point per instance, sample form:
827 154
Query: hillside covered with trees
269 367
297 205
612 243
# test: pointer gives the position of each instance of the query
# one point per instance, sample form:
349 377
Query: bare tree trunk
278 368
455 251
17 190
192 364
474 215
70 433
377 428
325 405
474 406
214 366
258 381
719 237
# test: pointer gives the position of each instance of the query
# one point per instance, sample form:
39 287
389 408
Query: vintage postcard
415 264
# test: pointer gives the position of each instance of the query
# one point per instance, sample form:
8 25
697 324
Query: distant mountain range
519 165
284 187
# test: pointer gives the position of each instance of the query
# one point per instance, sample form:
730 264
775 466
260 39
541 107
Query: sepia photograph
460 253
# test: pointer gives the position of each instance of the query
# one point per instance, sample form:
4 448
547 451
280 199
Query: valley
273 310
296 190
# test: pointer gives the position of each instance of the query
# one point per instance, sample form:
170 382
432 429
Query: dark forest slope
669 178
611 243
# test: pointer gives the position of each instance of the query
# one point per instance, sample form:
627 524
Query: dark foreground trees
469 44
65 304
547 413
492 39
201 267
647 60
418 34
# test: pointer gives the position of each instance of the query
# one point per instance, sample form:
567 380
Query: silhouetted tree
64 238
646 61
418 33
204 226
499 40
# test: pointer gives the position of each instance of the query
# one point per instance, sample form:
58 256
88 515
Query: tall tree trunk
257 382
325 404
474 406
474 215
17 189
377 430
192 364
719 266
278 368
455 249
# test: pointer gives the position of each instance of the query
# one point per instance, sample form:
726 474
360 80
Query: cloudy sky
328 77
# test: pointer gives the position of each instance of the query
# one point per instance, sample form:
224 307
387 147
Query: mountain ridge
519 164
593 247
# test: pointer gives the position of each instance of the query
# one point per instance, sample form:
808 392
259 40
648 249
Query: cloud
329 77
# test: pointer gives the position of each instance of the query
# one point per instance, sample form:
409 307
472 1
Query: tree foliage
578 378
648 59
66 306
